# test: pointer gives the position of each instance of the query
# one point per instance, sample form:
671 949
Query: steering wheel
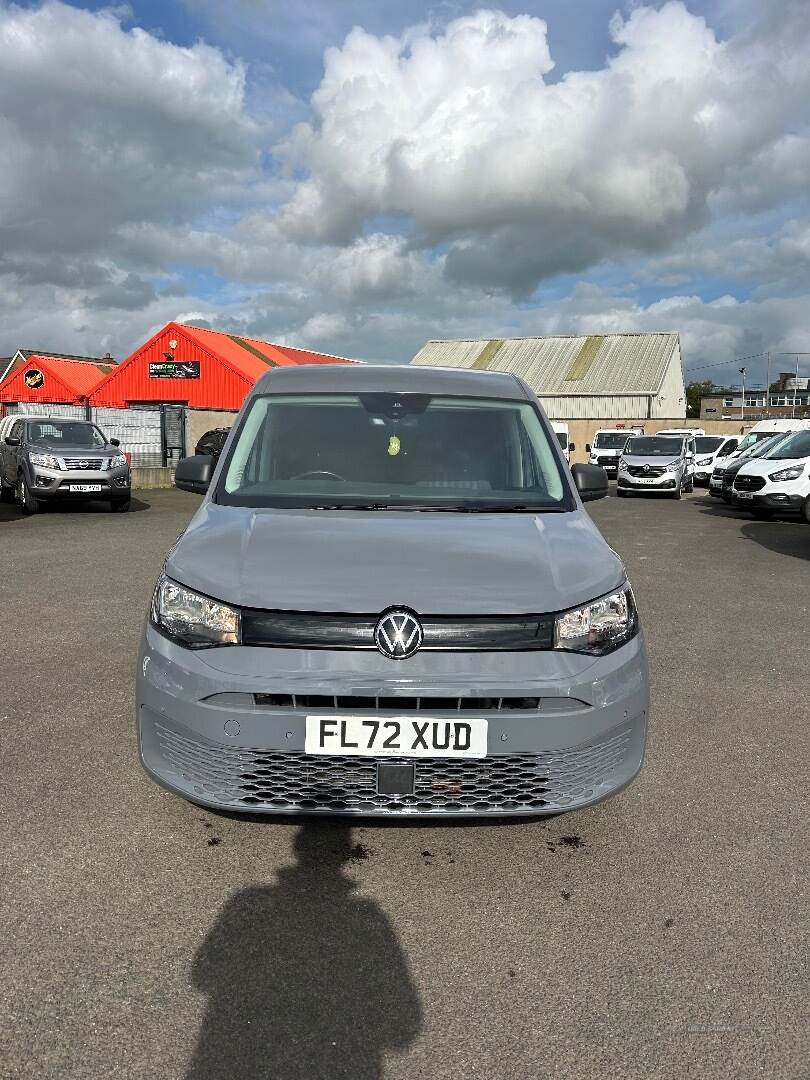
319 472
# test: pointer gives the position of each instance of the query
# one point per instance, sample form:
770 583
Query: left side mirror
194 473
591 481
572 447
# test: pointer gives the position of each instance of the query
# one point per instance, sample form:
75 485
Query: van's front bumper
202 734
786 502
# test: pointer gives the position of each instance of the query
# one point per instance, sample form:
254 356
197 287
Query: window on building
728 402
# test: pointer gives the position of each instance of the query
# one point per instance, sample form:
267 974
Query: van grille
325 630
644 470
748 483
277 780
360 703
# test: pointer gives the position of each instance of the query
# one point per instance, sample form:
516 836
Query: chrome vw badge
398 634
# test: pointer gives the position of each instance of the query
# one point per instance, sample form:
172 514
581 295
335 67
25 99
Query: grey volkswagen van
391 601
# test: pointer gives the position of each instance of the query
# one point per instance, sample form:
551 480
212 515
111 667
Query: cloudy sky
360 175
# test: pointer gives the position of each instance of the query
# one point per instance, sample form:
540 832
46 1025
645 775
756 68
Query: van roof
391 378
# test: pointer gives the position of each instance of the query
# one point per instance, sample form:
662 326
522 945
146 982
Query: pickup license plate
744 494
396 736
85 487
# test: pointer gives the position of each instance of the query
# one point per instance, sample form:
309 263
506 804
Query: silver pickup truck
46 458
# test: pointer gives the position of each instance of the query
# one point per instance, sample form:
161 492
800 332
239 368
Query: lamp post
742 404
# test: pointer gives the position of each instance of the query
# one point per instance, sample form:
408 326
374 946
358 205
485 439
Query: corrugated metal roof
253 357
609 364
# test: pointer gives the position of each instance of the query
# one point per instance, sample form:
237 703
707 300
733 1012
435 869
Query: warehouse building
604 376
201 369
48 379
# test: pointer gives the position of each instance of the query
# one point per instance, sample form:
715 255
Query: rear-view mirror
591 481
194 473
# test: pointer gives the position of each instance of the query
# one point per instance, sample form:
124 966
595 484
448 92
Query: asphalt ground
664 932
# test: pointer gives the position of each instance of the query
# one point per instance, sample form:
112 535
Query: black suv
212 441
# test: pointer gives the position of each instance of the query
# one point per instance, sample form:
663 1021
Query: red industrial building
37 378
203 369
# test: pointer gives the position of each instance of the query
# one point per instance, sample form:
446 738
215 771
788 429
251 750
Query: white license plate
396 736
85 487
744 494
646 480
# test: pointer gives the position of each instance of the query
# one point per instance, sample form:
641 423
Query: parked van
392 601
708 449
765 429
778 481
655 463
607 446
561 431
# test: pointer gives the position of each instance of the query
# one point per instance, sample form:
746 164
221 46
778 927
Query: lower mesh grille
278 780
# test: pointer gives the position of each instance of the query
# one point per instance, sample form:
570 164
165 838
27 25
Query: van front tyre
6 493
676 494
806 510
28 504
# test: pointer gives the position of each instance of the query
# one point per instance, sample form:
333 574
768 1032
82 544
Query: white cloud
459 134
100 126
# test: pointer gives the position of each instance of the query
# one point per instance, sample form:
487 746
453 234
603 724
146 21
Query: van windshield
393 451
610 440
655 446
707 444
796 445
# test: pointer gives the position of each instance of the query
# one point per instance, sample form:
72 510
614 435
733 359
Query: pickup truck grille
79 464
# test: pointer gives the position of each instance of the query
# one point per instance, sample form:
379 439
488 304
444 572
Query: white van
708 450
779 481
560 428
765 429
607 446
681 431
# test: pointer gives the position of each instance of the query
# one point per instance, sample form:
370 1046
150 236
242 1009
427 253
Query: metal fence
140 431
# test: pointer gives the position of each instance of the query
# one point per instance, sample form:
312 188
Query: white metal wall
595 406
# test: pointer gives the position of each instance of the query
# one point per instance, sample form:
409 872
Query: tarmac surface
664 932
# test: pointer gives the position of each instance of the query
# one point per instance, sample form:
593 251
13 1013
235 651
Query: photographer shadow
306 980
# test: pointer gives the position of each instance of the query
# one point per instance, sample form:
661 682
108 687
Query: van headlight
703 461
599 627
674 465
192 619
793 473
622 465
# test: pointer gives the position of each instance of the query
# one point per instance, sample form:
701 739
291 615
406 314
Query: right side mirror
587 448
194 473
591 481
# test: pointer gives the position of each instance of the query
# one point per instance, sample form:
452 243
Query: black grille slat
324 630
360 703
748 483
644 470
279 780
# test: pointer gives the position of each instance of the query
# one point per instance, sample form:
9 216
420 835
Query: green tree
694 392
